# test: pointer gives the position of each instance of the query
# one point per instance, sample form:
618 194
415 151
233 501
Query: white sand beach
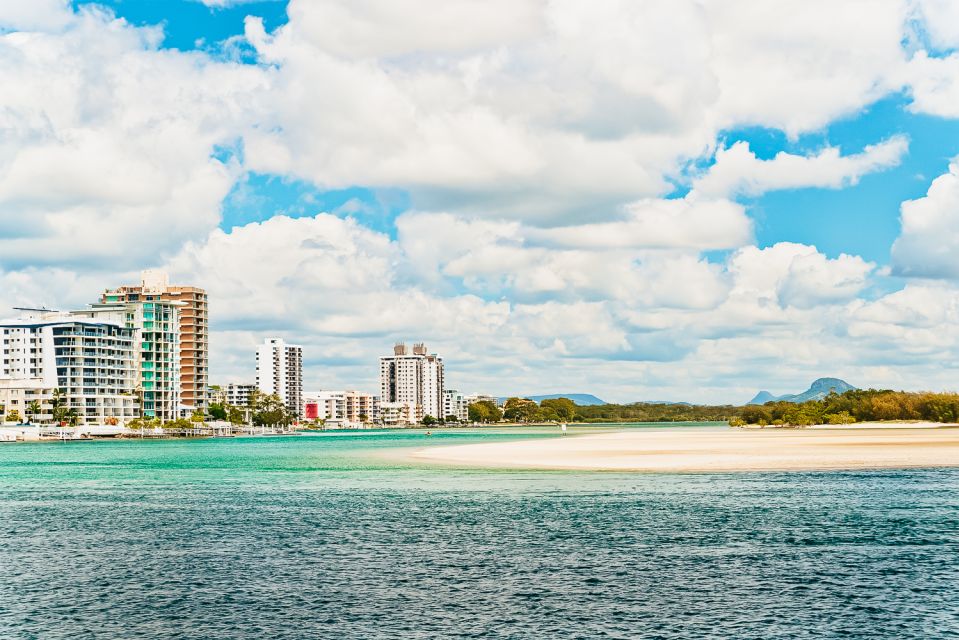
692 450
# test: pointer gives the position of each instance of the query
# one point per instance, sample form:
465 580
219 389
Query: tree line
565 410
859 405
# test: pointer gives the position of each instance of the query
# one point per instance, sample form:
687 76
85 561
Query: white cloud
797 275
934 85
929 241
800 64
941 22
368 28
737 170
549 133
552 110
107 148
585 261
348 292
692 222
30 15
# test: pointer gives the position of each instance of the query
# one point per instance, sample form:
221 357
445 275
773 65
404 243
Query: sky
683 200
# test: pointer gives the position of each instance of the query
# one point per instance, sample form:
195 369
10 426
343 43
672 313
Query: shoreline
679 451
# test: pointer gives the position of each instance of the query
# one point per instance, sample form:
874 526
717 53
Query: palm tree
32 409
73 417
58 409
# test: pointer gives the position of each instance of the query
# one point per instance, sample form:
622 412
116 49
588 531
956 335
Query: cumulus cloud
35 15
798 65
934 84
737 170
692 222
504 257
108 147
929 241
539 146
373 29
348 292
940 21
797 275
500 123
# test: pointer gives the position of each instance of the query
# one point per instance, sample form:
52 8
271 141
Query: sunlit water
322 536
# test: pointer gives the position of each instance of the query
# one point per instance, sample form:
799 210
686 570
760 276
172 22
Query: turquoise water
324 536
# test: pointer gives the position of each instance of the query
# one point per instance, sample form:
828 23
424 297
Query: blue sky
189 24
555 196
862 219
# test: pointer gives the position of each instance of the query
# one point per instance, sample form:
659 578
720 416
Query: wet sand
692 450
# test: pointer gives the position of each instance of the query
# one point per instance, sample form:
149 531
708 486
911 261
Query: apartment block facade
92 362
279 370
455 404
155 325
238 395
412 377
343 408
193 330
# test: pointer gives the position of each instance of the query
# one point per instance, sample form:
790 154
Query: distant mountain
763 397
582 399
818 390
687 404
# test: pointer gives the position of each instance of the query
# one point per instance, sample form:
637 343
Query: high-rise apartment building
90 361
156 329
193 332
279 370
414 378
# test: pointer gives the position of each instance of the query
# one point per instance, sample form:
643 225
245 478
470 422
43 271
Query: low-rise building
455 404
482 397
216 394
238 395
346 408
396 414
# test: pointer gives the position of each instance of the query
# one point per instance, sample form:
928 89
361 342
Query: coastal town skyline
417 319
676 227
278 366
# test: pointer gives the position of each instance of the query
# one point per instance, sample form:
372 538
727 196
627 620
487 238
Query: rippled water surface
321 537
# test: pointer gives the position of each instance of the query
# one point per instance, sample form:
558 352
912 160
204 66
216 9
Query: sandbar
680 450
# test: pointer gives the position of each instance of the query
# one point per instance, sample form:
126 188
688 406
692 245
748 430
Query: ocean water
322 536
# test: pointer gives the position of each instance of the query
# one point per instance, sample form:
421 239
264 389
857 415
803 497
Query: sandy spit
691 450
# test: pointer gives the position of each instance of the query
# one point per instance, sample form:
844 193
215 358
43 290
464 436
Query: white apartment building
279 370
156 330
455 404
91 362
414 378
238 395
339 408
396 414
